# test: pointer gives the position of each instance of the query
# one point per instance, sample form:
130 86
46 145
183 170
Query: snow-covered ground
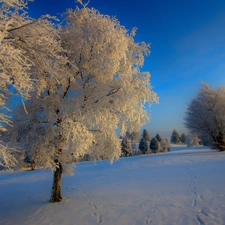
184 186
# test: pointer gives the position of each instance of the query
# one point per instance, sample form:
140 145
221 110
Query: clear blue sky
187 45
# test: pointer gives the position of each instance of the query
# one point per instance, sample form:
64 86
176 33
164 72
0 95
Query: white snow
184 186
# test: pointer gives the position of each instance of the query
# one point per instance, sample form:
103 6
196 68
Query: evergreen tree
158 137
175 138
126 147
143 146
183 138
154 145
146 135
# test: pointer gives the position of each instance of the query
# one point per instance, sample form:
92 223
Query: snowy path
180 187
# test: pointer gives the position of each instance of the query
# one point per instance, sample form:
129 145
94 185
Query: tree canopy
205 116
25 61
146 135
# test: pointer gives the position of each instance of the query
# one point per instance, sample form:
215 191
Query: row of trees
77 84
156 144
146 145
175 138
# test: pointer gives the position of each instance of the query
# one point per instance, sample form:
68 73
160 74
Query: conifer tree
182 138
175 138
146 135
154 145
158 137
126 147
143 146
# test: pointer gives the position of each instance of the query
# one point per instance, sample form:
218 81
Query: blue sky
187 45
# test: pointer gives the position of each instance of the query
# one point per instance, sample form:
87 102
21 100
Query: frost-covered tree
183 138
164 145
145 135
143 145
28 49
135 136
154 145
192 140
205 116
175 138
99 90
126 147
158 137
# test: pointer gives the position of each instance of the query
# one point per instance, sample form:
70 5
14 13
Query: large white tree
100 90
28 49
205 115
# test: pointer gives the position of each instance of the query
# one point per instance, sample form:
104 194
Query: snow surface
181 187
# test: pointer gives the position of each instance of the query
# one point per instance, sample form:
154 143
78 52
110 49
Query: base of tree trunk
58 199
56 186
33 166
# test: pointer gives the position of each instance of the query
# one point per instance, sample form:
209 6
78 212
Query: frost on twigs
68 170
13 3
25 61
133 32
192 140
83 4
8 155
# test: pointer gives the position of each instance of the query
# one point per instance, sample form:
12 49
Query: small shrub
147 152
138 152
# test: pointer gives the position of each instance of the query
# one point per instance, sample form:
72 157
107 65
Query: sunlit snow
184 186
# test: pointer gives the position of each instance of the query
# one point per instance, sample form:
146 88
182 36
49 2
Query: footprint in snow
201 197
148 220
200 220
99 218
194 203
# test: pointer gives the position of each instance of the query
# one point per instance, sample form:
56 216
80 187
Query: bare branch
113 91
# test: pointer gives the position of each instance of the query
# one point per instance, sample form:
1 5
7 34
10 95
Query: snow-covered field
184 186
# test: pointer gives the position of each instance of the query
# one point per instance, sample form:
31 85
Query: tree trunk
33 164
221 141
56 186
